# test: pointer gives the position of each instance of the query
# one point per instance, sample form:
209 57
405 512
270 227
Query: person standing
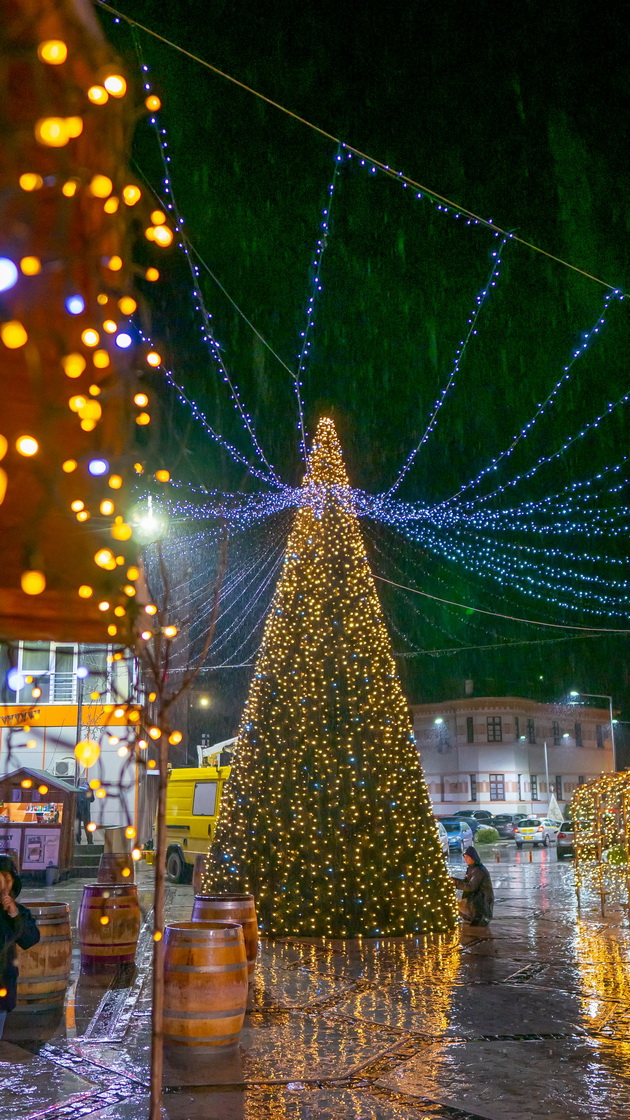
85 797
477 904
17 927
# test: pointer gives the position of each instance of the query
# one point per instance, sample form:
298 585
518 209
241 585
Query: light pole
603 696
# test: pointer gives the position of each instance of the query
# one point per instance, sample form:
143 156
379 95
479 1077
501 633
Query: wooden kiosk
37 818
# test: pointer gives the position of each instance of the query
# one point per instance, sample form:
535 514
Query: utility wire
397 175
497 614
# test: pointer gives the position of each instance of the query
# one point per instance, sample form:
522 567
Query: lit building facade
56 703
495 752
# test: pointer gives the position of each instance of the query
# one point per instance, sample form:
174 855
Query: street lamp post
603 696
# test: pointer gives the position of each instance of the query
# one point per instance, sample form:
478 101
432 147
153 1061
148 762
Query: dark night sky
519 113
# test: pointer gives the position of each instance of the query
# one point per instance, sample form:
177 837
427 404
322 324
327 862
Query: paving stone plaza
529 1018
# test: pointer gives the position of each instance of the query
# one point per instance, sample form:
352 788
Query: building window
578 735
531 731
495 731
599 734
581 779
555 733
517 727
473 787
470 729
497 787
533 785
559 787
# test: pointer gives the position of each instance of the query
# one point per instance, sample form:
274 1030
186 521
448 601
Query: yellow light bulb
110 326
151 609
76 403
76 505
100 359
106 506
133 573
112 630
153 103
31 266
119 612
73 365
138 468
162 236
170 631
83 515
30 181
162 475
98 95
114 263
33 583
70 188
94 390
90 337
131 194
154 359
87 752
155 733
115 481
115 85
74 126
13 334
152 274
27 445
175 737
141 400
158 217
121 532
127 305
85 591
52 132
69 465
105 559
142 419
146 634
52 51
101 186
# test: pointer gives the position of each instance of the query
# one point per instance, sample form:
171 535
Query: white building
495 752
66 693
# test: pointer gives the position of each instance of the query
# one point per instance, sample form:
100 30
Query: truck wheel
175 867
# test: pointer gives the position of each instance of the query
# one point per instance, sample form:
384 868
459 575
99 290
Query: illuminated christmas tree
326 817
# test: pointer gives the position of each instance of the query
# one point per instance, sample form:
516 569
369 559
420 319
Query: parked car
480 815
459 833
505 824
539 831
443 835
565 840
475 825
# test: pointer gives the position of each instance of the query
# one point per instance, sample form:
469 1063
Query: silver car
443 836
566 840
539 831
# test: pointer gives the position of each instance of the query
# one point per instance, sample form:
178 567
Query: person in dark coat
17 927
85 797
477 902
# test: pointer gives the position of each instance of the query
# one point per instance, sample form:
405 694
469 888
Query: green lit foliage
326 818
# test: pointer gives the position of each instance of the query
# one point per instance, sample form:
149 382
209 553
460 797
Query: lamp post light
602 696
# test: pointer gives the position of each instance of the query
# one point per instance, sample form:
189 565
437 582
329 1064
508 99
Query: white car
443 836
539 831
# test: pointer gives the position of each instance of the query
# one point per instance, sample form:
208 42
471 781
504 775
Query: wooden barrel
115 868
231 908
108 927
199 870
44 970
205 984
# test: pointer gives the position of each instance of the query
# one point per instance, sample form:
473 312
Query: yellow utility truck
193 797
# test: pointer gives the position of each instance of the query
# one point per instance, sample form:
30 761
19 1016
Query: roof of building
42 777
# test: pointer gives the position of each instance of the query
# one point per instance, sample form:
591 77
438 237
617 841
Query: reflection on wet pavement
528 1019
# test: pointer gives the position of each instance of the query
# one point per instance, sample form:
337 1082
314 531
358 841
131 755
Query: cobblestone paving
526 1020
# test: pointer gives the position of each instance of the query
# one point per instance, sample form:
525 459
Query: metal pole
612 735
547 774
157 1022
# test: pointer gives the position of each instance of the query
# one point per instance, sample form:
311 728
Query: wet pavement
530 1018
